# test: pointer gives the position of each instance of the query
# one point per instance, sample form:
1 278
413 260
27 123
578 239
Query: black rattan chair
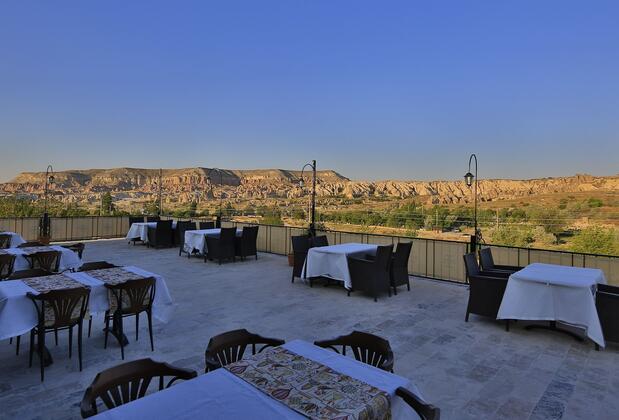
206 225
245 245
25 274
150 219
230 346
399 266
30 244
96 265
488 265
132 220
300 246
367 348
78 248
316 241
607 304
222 247
179 233
485 292
5 241
7 263
424 410
46 260
128 382
372 276
161 235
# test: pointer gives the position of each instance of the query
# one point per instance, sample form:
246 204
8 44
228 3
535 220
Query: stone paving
470 370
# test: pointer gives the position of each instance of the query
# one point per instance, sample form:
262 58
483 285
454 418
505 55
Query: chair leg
507 325
89 325
41 345
79 343
56 335
17 349
107 329
31 347
121 335
408 285
466 317
395 291
70 341
149 314
597 347
137 325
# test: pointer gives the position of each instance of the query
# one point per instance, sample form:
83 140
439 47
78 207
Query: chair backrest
136 219
402 254
30 244
152 219
7 263
367 348
471 265
185 225
317 241
250 237
485 258
424 410
96 265
133 296
61 308
230 346
128 382
207 225
227 236
25 274
164 226
78 248
5 241
607 304
383 257
300 244
47 260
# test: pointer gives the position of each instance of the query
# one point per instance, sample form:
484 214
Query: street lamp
45 228
312 226
469 178
221 182
159 193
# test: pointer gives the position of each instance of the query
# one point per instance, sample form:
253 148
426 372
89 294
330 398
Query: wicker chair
317 241
399 266
222 247
130 298
46 260
5 241
485 292
424 410
607 303
78 248
59 310
367 348
300 246
372 276
25 274
488 265
150 219
245 245
230 346
206 225
96 265
161 235
7 263
128 382
132 220
179 233
30 244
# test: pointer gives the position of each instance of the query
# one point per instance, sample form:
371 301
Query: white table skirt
16 239
332 261
140 230
18 315
548 292
196 239
222 395
68 260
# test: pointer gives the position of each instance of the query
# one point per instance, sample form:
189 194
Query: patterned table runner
310 388
34 249
53 282
113 276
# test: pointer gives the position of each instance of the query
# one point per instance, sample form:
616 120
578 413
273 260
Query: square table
332 261
68 258
196 239
555 293
140 230
16 238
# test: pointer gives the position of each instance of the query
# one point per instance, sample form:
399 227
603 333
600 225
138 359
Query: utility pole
159 196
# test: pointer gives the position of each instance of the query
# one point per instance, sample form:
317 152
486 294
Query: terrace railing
432 258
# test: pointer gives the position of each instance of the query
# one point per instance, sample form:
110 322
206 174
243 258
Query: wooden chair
485 292
78 248
488 265
128 382
30 244
161 235
96 265
245 245
222 247
399 266
367 348
230 346
7 263
317 241
181 228
424 410
59 310
5 241
300 246
130 298
24 274
372 276
206 225
46 260
607 304
132 220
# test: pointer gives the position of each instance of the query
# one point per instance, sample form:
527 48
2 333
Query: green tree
596 240
107 204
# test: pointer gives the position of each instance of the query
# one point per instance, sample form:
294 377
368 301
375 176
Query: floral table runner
310 388
53 282
113 276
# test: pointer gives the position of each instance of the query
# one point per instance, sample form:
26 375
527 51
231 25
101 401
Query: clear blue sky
373 89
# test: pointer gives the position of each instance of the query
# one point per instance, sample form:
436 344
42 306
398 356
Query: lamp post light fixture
312 226
472 180
221 182
44 226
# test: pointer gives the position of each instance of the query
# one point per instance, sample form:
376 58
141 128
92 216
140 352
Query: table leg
115 330
553 327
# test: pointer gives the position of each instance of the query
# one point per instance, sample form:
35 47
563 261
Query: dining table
69 259
16 238
294 381
332 261
140 230
195 240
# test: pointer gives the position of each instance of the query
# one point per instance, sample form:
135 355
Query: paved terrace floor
470 370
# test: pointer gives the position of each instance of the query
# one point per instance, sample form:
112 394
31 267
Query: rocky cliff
184 185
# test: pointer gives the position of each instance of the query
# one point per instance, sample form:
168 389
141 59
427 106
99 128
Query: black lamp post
45 228
221 182
469 178
312 226
159 193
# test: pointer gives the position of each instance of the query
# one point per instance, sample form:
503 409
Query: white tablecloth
18 315
16 239
68 259
222 395
332 261
554 293
196 239
140 230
